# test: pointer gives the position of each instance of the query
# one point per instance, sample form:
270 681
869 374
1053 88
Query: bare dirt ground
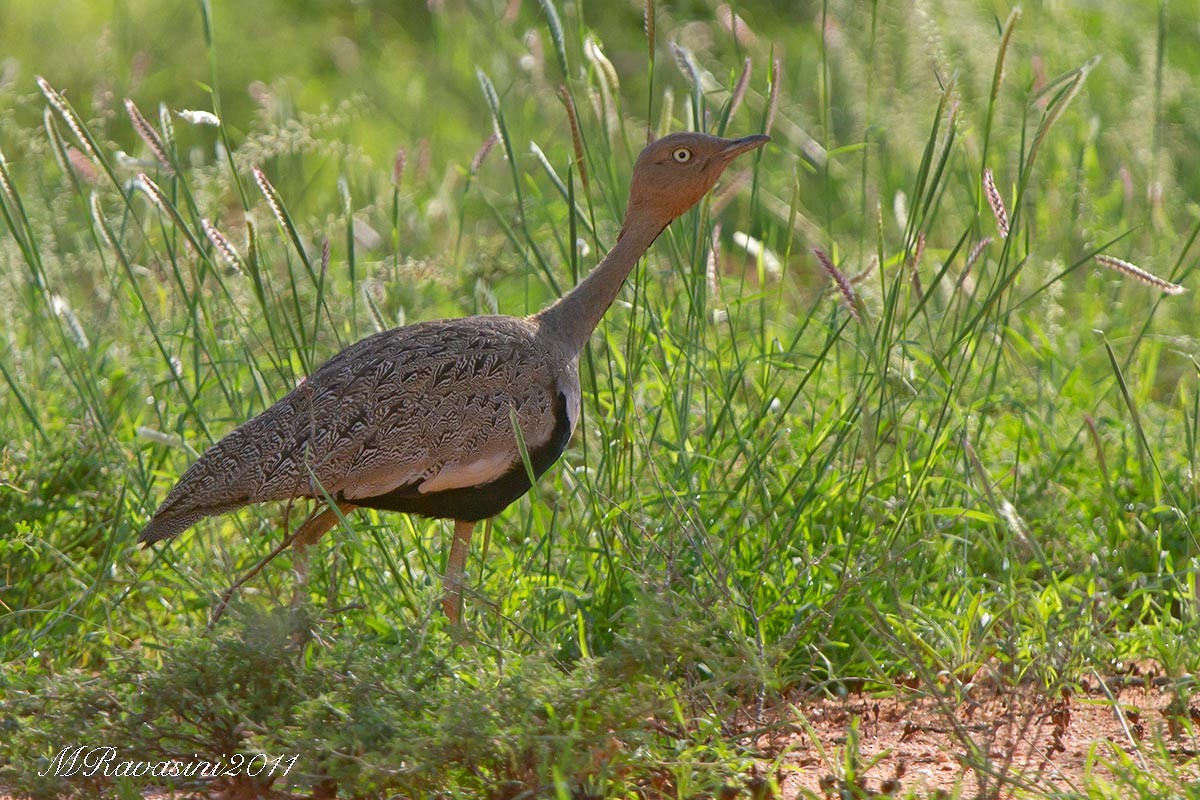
1000 742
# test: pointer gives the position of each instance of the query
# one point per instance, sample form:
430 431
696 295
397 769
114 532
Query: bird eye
682 155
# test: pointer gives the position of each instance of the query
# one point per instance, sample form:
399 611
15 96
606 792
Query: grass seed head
975 253
591 49
222 245
914 262
398 167
1139 274
711 264
996 202
62 309
100 224
166 124
739 88
733 22
872 265
683 60
576 138
840 281
83 166
5 186
648 24
271 195
918 251
59 103
151 190
482 152
773 98
148 135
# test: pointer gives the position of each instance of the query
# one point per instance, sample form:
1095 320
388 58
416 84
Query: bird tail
170 520
166 525
225 478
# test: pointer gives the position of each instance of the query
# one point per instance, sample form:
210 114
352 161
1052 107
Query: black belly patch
473 503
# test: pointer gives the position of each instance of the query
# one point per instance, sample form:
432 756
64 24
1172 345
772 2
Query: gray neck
572 319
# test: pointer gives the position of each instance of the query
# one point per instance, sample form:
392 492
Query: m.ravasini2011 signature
89 762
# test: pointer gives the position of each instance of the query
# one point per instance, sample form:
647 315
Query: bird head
674 172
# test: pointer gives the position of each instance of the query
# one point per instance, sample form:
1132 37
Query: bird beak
738 146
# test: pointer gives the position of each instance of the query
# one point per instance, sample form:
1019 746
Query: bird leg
313 529
316 526
452 600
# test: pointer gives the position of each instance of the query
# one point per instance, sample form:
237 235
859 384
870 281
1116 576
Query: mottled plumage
419 419
407 413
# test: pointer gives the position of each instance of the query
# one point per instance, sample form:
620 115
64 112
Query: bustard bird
420 419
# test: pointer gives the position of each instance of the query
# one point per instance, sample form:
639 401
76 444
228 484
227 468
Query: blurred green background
996 467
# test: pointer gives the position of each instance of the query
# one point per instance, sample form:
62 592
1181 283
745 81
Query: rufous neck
572 319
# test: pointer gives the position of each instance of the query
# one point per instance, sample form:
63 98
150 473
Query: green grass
993 466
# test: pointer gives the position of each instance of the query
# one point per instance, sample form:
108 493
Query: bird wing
435 413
